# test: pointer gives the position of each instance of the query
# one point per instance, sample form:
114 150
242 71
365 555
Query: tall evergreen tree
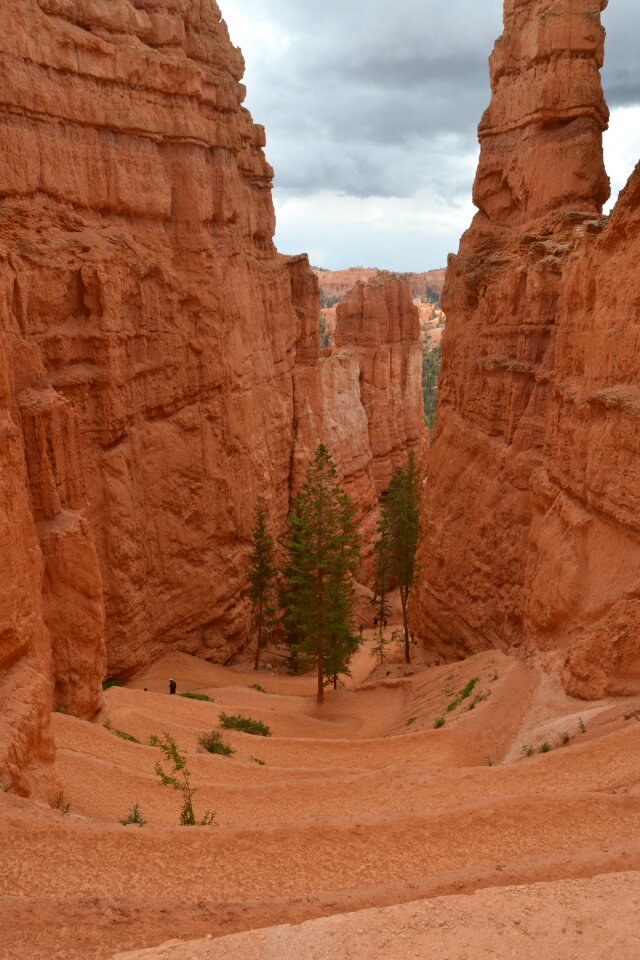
317 598
383 565
398 533
262 573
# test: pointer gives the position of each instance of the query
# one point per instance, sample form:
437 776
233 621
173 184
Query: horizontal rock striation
531 522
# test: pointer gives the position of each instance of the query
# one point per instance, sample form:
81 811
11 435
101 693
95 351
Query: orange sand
360 803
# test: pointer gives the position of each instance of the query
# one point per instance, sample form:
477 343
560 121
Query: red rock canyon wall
531 520
158 358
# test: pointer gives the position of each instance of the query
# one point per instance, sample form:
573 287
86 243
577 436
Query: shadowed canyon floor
358 804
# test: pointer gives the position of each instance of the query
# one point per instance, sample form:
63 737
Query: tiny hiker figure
173 686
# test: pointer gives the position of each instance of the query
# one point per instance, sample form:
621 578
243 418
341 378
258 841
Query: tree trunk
404 596
320 671
259 647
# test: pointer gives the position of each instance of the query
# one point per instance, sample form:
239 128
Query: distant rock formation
334 284
159 361
379 324
531 523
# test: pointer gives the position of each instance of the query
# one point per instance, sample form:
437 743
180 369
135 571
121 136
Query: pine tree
383 563
398 533
262 573
317 598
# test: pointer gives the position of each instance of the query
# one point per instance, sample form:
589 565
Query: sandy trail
576 920
356 803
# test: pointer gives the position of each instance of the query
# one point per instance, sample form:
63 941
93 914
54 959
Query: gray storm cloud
378 99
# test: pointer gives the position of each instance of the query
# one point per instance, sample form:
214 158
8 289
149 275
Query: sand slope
357 803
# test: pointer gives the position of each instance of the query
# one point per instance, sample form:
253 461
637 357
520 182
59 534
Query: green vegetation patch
197 696
119 733
463 695
244 725
134 817
112 682
213 743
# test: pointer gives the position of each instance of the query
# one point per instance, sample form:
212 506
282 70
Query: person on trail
173 686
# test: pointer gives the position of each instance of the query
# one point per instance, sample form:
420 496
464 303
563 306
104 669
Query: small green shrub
464 693
134 817
544 747
528 750
564 739
213 743
59 804
120 733
468 690
112 682
256 686
411 721
179 778
437 724
244 725
261 763
197 696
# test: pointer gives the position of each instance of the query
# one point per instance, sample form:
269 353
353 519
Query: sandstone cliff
380 325
159 358
364 396
334 284
531 518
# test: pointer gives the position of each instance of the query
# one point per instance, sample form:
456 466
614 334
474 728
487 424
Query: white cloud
371 113
622 147
339 231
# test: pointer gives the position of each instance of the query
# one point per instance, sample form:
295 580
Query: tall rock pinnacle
518 506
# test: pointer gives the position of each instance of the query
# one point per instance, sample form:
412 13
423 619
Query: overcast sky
371 110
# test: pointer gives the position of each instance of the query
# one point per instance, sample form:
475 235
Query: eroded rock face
380 325
161 364
531 518
364 396
334 284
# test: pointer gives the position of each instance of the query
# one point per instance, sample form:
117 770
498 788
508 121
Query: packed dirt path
406 785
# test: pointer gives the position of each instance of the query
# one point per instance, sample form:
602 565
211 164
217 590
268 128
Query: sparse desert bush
260 763
244 725
411 721
120 733
134 817
256 686
479 699
213 743
197 696
528 750
581 726
438 723
59 804
564 739
544 747
463 695
112 682
179 777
